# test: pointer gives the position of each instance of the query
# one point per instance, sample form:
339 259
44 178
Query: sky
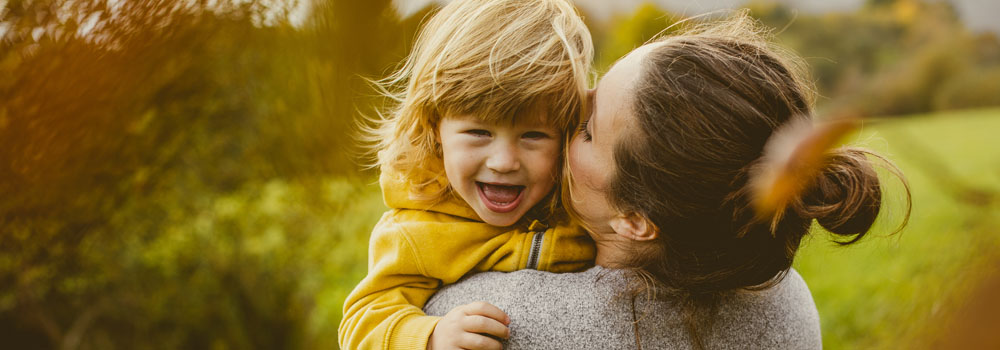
979 15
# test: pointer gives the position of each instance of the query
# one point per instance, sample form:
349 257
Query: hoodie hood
399 194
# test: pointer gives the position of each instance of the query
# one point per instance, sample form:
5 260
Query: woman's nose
503 159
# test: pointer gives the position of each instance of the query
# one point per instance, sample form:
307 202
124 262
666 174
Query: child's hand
468 327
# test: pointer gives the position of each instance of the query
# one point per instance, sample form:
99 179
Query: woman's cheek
575 159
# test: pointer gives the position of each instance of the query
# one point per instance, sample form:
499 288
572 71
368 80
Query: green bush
179 176
973 89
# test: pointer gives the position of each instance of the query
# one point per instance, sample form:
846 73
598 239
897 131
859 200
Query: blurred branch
81 324
72 338
47 324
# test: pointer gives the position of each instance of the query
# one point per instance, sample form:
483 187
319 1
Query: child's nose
503 160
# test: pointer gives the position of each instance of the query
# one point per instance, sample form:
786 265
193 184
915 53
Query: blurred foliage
177 174
182 175
891 57
624 34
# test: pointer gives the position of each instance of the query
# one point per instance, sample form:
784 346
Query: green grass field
892 291
898 291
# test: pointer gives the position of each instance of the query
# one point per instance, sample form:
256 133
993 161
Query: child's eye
583 130
535 135
477 132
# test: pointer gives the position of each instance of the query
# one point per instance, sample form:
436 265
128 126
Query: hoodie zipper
536 244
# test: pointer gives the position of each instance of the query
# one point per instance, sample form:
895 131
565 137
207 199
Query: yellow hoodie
417 248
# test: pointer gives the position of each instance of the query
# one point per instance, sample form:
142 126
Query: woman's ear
634 226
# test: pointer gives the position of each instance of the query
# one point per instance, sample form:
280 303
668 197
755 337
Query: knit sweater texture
587 310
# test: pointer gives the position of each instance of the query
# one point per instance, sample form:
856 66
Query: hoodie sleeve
567 248
383 311
411 255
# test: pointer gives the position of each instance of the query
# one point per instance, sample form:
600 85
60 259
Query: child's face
501 170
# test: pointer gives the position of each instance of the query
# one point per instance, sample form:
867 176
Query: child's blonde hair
493 59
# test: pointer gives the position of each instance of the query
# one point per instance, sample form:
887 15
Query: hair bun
794 158
846 197
802 174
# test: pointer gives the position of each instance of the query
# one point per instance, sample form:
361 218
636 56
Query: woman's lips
500 198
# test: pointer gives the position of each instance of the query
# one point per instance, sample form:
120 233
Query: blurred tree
142 146
889 58
840 49
849 53
627 33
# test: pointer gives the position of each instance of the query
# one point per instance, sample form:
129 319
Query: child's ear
634 226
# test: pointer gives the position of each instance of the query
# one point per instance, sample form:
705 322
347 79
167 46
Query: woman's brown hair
704 107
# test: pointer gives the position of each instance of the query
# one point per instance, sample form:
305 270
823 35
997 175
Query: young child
470 159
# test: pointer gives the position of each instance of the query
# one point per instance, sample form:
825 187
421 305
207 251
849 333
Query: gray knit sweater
586 310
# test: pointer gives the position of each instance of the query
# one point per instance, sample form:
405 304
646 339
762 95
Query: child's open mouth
500 198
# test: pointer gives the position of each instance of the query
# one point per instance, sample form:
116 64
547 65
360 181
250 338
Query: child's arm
383 306
411 255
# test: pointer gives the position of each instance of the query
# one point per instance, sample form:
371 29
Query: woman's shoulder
515 289
781 317
789 298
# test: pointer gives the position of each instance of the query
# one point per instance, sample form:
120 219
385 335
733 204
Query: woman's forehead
612 94
624 72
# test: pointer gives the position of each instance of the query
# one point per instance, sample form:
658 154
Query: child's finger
485 309
473 341
484 325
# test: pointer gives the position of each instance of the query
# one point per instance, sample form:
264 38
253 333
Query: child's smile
500 170
500 198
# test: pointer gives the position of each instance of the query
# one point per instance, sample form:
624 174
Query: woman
663 175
